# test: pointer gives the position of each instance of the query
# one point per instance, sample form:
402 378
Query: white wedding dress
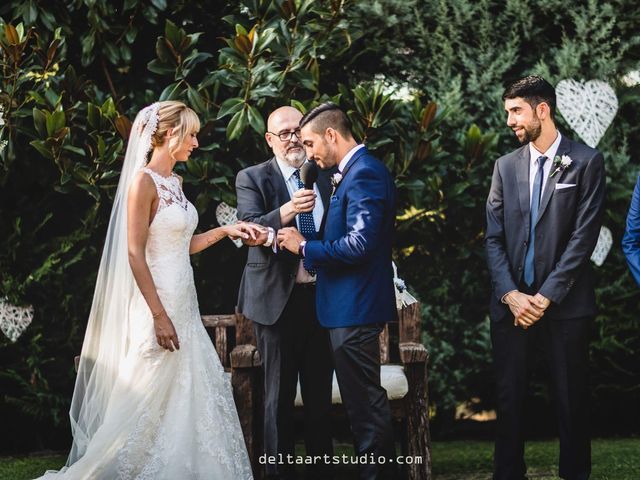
171 415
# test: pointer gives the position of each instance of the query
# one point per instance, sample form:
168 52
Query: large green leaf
237 125
93 115
173 34
157 66
255 120
40 122
230 106
198 103
172 91
195 58
42 148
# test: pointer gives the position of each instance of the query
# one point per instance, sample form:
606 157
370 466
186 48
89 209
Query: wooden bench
234 340
400 344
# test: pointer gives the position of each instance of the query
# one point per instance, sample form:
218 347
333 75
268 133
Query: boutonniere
560 164
336 178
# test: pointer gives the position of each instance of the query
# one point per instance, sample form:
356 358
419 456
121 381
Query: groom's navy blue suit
355 276
355 296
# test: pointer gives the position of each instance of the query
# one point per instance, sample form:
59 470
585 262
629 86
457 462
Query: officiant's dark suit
561 233
279 297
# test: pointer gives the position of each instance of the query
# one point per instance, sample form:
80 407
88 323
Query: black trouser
356 354
565 345
296 345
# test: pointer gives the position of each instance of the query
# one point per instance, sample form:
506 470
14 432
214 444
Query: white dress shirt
533 166
287 171
292 186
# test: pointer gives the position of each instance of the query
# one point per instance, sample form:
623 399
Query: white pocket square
560 186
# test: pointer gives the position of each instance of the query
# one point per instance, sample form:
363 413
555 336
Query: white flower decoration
336 178
561 163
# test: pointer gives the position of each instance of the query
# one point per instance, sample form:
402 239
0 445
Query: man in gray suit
544 213
278 295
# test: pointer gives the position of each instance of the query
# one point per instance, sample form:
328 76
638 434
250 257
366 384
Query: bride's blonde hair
177 116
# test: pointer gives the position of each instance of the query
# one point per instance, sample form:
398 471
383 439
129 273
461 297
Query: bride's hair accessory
149 124
150 118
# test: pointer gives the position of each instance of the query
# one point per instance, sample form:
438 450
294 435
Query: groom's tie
307 225
535 205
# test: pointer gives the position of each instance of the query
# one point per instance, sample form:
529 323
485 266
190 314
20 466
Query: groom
544 213
355 294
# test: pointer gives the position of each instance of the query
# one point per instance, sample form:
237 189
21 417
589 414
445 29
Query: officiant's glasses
287 136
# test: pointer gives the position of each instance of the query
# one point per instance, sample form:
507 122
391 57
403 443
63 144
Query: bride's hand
244 230
166 334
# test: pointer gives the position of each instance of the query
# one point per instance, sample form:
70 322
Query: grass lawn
613 459
19 468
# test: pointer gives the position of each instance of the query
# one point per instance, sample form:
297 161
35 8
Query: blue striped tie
307 225
529 267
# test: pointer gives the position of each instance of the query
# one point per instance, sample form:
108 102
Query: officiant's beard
294 157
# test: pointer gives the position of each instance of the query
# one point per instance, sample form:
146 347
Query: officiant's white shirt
292 186
287 171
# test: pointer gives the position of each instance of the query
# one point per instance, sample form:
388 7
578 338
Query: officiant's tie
529 267
305 219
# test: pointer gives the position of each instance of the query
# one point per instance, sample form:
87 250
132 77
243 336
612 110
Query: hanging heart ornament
588 107
14 320
227 215
605 240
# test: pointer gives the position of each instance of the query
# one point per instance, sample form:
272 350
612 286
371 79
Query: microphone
309 174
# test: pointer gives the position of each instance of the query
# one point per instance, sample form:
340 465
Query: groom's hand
289 238
526 309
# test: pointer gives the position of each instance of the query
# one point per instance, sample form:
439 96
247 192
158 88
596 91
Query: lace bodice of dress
172 226
169 190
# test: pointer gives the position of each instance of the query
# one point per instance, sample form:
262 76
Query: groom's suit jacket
268 278
566 230
353 259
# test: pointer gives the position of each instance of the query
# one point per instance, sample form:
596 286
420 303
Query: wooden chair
235 343
413 408
400 344
233 338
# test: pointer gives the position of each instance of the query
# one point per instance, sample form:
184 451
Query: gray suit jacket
566 232
268 278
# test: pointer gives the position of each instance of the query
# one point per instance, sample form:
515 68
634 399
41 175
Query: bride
151 400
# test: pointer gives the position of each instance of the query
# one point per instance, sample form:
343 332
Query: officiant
278 294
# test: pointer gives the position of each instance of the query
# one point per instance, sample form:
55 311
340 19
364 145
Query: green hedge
75 73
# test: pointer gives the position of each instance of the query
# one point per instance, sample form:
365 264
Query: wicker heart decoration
227 215
588 107
14 320
605 240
